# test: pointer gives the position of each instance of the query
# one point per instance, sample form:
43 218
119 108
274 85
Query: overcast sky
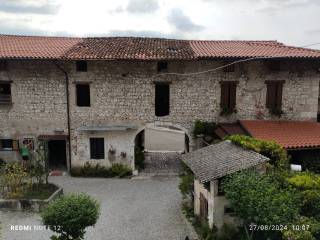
295 22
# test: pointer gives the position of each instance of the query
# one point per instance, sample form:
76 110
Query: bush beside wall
96 170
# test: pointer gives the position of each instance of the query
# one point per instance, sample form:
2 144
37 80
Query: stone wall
38 102
123 92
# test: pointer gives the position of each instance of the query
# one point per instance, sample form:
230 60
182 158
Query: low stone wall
29 204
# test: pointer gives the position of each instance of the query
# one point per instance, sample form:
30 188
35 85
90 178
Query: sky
294 22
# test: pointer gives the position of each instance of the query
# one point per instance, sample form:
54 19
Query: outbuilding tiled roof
289 134
221 159
136 48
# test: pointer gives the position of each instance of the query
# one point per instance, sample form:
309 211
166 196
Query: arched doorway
158 148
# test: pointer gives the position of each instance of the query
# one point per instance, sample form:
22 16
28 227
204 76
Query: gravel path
134 209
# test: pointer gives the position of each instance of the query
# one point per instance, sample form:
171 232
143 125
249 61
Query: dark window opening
83 95
6 144
228 68
274 95
162 66
229 210
5 93
228 95
220 188
274 65
3 66
207 186
162 100
97 148
81 66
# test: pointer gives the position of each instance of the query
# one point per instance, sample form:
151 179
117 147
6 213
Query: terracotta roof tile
135 48
130 48
248 49
289 134
35 47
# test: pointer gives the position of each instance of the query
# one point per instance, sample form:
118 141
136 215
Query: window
3 65
162 99
5 93
97 148
83 95
274 95
228 95
81 66
162 66
6 144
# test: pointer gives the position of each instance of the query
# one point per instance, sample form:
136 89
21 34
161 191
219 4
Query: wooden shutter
232 95
274 94
271 95
224 102
15 145
278 100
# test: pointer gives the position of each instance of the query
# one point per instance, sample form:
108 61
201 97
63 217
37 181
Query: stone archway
160 160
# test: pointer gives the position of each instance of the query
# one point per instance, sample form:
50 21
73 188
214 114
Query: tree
70 215
258 200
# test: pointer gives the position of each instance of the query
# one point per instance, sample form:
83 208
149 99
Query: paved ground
135 209
167 163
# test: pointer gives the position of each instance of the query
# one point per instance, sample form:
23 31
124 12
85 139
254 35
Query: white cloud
290 21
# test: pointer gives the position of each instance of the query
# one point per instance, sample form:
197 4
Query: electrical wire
224 66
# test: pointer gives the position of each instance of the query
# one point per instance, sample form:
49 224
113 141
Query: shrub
305 181
228 232
258 199
186 184
69 215
96 170
277 154
14 177
302 229
120 170
205 128
2 163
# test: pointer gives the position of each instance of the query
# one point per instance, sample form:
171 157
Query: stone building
90 99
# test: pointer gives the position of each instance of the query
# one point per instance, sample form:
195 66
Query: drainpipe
68 108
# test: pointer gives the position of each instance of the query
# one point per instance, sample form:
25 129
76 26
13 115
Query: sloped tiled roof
136 48
289 134
130 48
221 159
249 49
26 47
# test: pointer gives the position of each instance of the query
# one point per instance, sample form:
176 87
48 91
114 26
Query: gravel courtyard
135 209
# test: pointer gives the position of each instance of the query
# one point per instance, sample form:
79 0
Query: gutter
68 108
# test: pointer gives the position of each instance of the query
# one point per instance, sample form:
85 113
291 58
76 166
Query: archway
158 147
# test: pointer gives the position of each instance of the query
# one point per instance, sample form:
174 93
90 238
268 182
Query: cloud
142 6
29 7
182 22
146 33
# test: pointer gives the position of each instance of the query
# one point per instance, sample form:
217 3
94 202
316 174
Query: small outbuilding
210 165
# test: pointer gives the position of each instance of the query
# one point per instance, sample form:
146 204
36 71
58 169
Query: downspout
68 108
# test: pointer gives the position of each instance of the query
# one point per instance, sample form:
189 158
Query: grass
39 191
